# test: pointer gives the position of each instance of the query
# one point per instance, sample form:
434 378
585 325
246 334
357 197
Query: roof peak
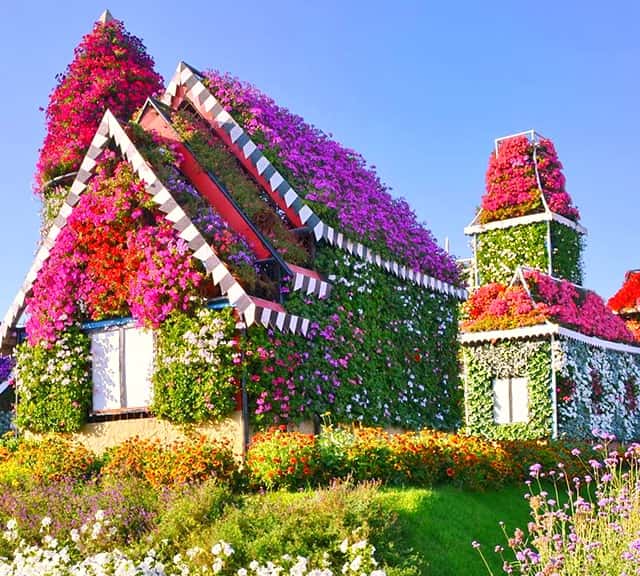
106 17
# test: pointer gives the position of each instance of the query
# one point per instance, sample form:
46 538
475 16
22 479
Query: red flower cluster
111 69
627 299
511 184
114 257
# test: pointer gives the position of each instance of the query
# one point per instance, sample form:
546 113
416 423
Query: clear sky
420 88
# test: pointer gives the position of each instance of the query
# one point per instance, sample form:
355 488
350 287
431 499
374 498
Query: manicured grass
441 523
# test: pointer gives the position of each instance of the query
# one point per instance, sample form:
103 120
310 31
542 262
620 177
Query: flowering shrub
54 383
595 532
198 366
512 187
339 184
73 555
184 461
277 458
110 70
46 460
281 459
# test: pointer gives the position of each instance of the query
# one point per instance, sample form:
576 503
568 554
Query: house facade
193 273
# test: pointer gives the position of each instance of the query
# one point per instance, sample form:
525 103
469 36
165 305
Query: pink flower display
498 307
512 186
110 70
344 189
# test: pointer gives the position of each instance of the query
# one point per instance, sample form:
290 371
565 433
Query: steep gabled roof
187 84
536 304
523 189
626 301
251 308
156 117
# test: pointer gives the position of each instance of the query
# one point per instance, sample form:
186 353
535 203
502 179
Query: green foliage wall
508 359
54 384
499 252
385 351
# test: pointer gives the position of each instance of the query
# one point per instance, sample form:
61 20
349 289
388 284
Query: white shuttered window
122 366
510 400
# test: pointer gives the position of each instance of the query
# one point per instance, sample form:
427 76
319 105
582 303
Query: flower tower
110 70
526 217
543 356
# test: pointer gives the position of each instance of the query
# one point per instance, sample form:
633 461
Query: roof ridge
277 186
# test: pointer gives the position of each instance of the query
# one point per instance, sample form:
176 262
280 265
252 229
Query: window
510 400
122 360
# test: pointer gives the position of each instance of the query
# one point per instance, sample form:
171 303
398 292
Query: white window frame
510 400
123 383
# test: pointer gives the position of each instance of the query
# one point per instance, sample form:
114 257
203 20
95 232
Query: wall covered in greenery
383 353
499 252
484 363
598 389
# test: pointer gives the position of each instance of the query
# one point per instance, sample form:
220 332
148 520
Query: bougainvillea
110 70
335 180
497 307
512 187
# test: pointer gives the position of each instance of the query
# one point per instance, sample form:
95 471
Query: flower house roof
524 184
536 304
626 301
540 331
252 309
187 84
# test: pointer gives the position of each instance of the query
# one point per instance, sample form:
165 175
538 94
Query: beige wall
102 435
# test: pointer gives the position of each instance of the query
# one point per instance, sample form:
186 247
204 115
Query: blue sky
420 88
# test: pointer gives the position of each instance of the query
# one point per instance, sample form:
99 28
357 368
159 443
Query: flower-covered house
542 356
209 257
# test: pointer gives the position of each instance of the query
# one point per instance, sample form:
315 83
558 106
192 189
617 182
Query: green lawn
441 523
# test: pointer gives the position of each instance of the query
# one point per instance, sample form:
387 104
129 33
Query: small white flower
216 549
99 515
344 546
12 524
45 522
242 572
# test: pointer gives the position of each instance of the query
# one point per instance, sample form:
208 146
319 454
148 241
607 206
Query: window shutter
519 400
105 371
501 412
138 367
